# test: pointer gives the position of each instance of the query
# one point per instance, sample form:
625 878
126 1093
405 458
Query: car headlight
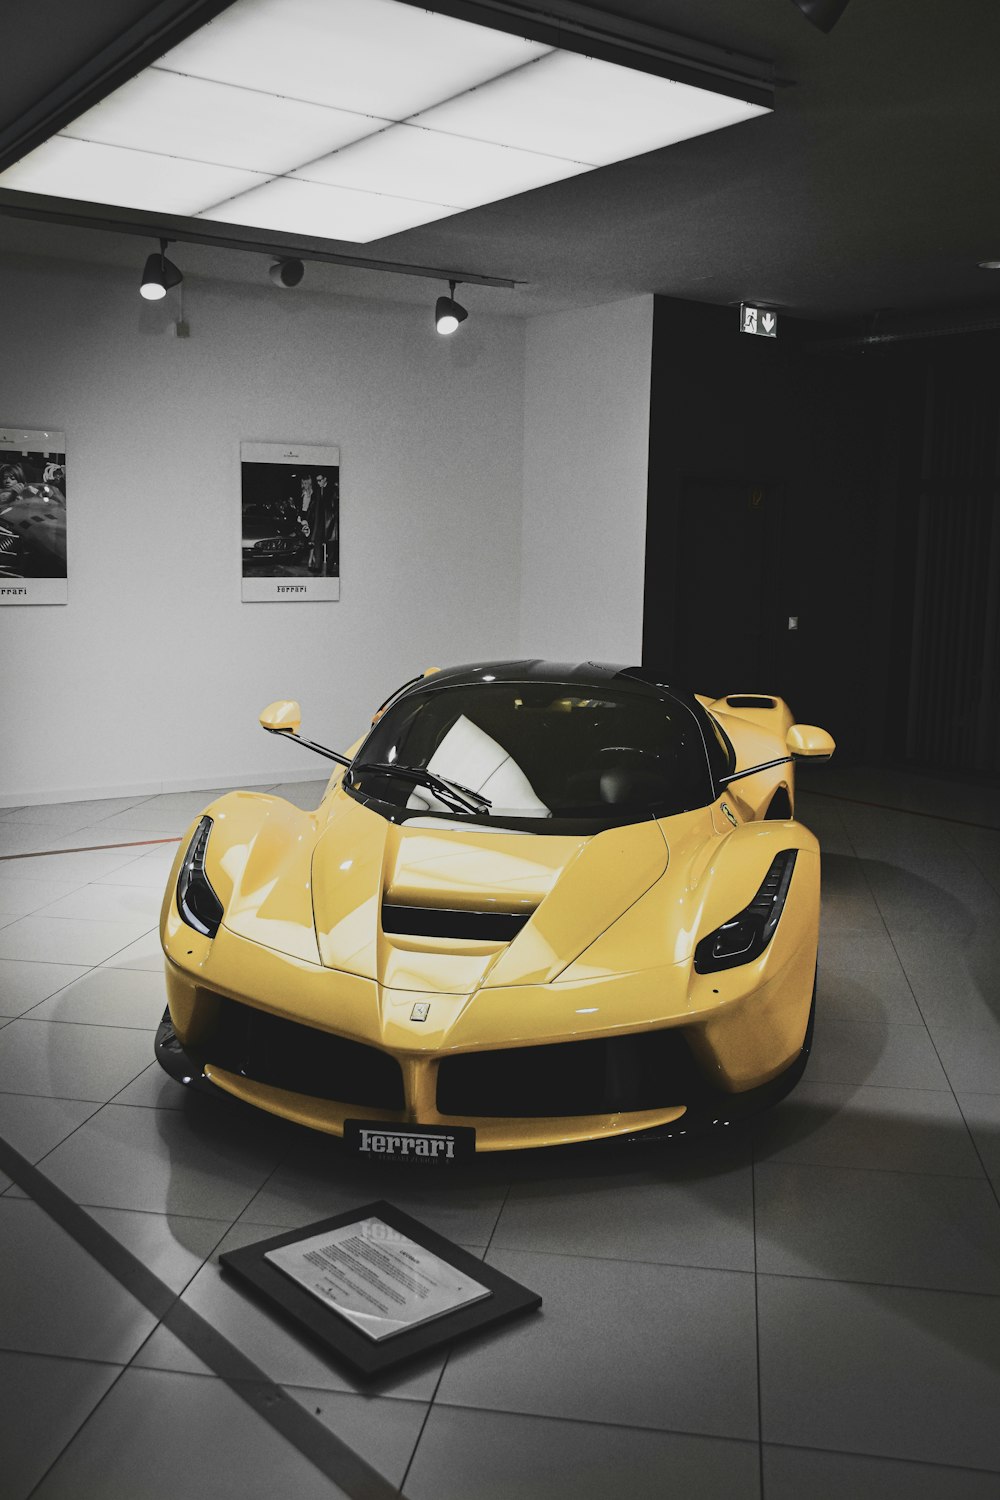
745 936
197 903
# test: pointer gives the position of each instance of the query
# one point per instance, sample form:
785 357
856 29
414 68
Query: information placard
377 1277
376 1287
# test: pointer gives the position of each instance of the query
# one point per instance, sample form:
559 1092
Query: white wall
586 439
152 676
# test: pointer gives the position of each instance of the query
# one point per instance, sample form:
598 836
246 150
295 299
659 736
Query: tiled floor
805 1313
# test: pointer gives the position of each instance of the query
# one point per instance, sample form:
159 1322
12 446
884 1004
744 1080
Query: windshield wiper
452 792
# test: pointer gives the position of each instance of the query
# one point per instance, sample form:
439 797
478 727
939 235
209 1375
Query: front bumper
709 1110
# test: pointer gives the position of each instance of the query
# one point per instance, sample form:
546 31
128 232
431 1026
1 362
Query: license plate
378 1140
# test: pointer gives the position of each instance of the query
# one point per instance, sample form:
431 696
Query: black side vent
439 921
750 700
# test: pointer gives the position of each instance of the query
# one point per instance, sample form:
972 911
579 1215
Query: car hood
568 890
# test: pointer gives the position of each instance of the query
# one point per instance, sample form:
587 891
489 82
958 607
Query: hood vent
446 922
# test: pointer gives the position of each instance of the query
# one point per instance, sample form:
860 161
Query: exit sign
758 320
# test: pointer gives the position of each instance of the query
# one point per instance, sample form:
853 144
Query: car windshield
538 750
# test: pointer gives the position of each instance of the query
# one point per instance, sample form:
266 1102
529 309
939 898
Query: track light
287 272
159 275
448 313
822 13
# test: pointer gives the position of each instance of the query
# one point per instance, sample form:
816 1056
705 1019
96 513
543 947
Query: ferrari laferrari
539 904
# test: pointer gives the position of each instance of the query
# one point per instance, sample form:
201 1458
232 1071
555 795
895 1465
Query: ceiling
871 189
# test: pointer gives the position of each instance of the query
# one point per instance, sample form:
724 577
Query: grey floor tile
66 1061
840 1125
909 903
172 1246
20 897
172 811
888 1371
879 1055
108 997
206 1160
275 1346
227 1451
498 1456
861 979
45 1401
982 1115
108 903
131 841
669 1347
956 981
382 1429
678 1215
982 845
54 813
147 822
88 864
33 1125
154 1089
803 1474
971 1058
68 941
23 983
847 901
900 1228
145 953
55 1298
318 1180
150 869
22 838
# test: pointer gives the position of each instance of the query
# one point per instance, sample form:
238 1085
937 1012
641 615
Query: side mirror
807 742
283 717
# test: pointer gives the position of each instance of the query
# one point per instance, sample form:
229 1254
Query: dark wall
871 472
794 431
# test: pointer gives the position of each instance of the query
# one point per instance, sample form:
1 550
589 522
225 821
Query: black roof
593 674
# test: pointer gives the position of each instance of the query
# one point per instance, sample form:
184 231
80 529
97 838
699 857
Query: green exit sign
758 320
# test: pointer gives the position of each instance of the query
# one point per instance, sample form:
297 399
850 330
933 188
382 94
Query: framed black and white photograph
32 517
290 522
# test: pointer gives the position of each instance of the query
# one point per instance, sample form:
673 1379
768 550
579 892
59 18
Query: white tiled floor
808 1312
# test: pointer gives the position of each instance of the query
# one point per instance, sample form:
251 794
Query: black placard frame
347 1343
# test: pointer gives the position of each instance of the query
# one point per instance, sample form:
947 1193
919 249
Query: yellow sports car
538 904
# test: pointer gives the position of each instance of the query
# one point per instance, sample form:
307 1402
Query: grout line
907 812
756 1312
90 848
951 1087
444 1366
316 1443
922 1463
75 1434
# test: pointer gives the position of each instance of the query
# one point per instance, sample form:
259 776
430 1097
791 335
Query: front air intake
449 922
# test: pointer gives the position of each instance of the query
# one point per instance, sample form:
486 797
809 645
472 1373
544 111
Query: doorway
726 615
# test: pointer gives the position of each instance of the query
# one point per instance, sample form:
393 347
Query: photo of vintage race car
272 533
538 904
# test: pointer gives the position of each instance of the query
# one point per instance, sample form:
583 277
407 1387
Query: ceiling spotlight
448 313
159 275
287 272
822 13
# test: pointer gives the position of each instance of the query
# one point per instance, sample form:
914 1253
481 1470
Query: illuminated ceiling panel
415 163
197 120
98 173
329 213
357 119
372 56
586 110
